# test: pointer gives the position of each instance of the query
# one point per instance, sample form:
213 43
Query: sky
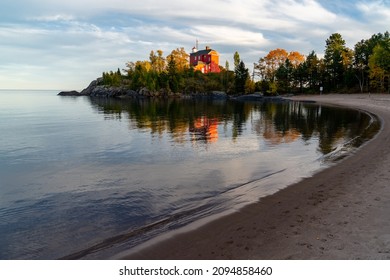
63 45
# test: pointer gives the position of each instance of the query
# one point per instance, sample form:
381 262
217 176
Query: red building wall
205 60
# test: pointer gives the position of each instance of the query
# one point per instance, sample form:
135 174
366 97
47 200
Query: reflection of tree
178 117
287 122
198 120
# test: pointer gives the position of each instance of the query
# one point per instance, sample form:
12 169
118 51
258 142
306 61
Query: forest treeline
366 68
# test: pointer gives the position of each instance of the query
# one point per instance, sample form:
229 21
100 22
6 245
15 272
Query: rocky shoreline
96 89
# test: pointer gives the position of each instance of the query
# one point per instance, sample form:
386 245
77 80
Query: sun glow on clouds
68 43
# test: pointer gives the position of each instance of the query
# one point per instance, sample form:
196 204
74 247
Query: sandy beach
342 212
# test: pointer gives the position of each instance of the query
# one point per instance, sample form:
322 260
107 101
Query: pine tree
241 75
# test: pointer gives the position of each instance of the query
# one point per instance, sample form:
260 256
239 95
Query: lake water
88 178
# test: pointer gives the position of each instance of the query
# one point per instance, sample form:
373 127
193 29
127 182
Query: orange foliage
274 59
296 58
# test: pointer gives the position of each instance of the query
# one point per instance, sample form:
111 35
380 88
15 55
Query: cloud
51 18
73 41
377 11
75 51
306 11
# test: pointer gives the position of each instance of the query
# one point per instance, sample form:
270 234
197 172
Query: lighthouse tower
195 49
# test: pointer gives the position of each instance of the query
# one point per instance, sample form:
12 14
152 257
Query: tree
295 58
112 78
338 58
269 64
241 77
283 76
363 51
157 61
379 63
250 86
236 59
360 63
313 70
280 70
181 59
160 61
172 74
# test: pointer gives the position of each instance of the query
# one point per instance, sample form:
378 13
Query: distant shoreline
339 213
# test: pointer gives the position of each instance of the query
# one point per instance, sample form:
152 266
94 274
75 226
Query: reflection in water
201 120
204 129
87 178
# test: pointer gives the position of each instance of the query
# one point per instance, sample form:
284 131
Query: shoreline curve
339 213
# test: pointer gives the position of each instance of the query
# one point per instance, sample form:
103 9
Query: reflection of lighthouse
205 129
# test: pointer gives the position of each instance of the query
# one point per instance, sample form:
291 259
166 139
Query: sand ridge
342 212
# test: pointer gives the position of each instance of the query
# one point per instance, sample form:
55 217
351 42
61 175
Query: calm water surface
87 178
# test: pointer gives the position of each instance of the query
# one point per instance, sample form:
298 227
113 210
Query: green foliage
338 59
173 75
379 64
364 69
241 77
112 79
284 76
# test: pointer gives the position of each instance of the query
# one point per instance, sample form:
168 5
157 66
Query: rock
108 91
89 89
219 95
250 97
70 93
144 91
131 93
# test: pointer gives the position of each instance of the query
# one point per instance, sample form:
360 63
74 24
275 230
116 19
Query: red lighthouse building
206 60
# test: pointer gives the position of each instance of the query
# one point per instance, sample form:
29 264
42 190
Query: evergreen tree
241 76
338 59
284 76
312 69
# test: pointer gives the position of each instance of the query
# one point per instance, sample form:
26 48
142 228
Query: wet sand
342 212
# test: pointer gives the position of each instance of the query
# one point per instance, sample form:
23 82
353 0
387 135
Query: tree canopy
366 68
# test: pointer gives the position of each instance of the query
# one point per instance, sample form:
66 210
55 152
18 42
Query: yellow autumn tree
180 57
